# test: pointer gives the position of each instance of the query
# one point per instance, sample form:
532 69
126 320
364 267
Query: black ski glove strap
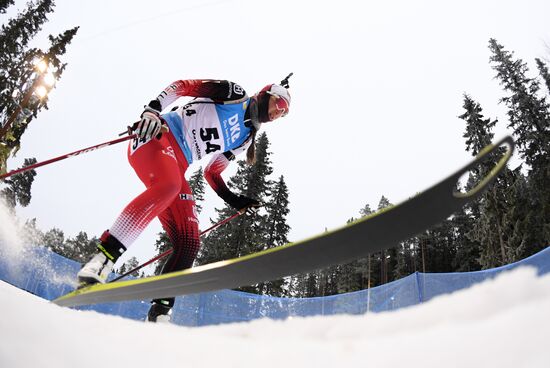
243 203
155 105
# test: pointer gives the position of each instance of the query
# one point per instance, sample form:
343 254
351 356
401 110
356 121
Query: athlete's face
277 107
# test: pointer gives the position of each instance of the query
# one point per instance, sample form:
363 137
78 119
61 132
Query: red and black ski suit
161 165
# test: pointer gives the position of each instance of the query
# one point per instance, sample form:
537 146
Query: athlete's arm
218 90
212 174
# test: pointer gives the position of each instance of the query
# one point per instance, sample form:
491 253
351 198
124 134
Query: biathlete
223 121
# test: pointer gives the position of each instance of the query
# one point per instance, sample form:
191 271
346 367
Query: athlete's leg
180 222
156 166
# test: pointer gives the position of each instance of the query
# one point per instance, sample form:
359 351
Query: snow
499 323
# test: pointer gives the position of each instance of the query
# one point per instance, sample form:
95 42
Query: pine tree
162 244
529 116
23 104
252 181
54 240
468 251
405 259
245 234
82 248
18 190
366 211
488 225
19 78
544 73
277 209
122 270
478 129
309 287
4 4
215 244
14 60
18 32
249 234
79 248
338 279
361 267
130 264
32 235
364 265
14 39
380 264
276 231
197 184
439 248
521 218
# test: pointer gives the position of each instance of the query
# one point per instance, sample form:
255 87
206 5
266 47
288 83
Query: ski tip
85 282
82 287
483 156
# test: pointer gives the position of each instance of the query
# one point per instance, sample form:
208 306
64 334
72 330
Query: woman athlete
222 120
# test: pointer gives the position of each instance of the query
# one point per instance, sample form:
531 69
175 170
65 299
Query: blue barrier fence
49 276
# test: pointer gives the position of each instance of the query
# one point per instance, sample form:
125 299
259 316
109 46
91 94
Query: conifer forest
510 222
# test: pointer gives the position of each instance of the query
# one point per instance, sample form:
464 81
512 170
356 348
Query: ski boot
100 266
160 311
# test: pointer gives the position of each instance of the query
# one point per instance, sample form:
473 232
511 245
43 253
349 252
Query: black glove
244 204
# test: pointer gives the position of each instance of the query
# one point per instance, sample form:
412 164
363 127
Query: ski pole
72 154
169 251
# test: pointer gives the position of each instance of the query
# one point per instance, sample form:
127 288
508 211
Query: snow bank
499 323
18 249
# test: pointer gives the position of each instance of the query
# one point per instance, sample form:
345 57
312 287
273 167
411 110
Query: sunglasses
281 104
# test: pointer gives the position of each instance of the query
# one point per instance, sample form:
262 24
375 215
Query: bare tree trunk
423 256
499 229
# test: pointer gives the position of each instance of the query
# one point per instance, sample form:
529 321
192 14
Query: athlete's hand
245 204
150 124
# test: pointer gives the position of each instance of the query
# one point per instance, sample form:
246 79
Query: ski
367 235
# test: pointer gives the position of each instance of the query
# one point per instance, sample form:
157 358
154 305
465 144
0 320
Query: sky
499 323
376 94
